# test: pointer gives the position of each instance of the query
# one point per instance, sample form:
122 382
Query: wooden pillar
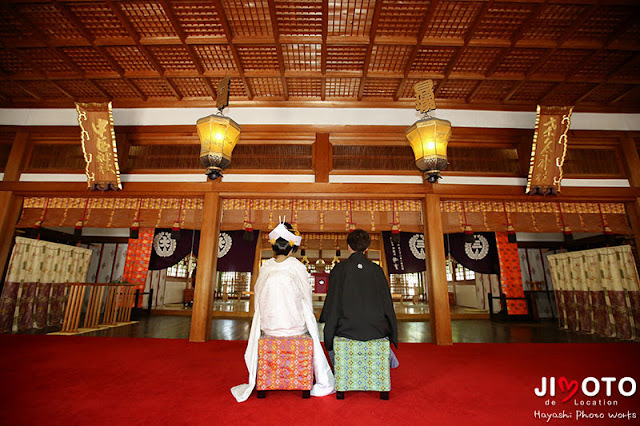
436 273
383 259
207 262
631 160
10 205
254 274
322 157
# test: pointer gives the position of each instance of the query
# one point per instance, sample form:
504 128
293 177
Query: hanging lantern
218 135
430 136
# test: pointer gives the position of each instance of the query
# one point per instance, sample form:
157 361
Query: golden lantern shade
429 138
218 136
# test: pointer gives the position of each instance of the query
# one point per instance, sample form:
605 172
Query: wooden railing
117 305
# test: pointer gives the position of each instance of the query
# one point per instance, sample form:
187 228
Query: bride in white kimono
283 307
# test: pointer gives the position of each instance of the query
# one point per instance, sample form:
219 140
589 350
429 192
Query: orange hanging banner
99 146
548 150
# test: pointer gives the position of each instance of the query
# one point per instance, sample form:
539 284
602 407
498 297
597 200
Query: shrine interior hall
491 149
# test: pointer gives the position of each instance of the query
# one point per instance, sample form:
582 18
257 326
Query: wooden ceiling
481 54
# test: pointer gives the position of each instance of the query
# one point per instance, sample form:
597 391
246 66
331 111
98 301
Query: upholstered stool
285 363
361 366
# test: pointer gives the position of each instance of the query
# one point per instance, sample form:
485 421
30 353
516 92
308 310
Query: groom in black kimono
358 305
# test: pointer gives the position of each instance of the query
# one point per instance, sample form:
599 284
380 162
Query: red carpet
56 380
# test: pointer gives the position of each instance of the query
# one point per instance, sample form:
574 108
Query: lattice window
401 18
350 17
300 17
389 58
116 88
153 87
233 283
456 89
57 156
602 64
453 19
149 157
483 160
520 60
381 87
148 18
359 157
248 18
433 59
215 57
98 19
42 88
10 63
563 61
184 268
302 57
406 284
531 91
567 93
88 59
267 87
50 21
602 162
501 20
554 21
79 89
198 18
272 157
12 27
345 58
476 59
237 89
130 58
342 87
45 59
304 87
10 90
601 23
607 93
173 57
494 90
191 87
258 58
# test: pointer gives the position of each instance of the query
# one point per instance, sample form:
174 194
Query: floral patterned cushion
285 363
362 365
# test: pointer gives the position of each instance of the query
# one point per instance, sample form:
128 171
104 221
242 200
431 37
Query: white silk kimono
283 307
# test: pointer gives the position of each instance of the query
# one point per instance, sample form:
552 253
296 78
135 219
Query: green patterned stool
361 366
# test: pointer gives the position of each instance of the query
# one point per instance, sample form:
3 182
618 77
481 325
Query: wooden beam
322 157
460 50
440 316
426 21
17 157
631 161
234 52
206 275
10 207
276 36
257 260
372 36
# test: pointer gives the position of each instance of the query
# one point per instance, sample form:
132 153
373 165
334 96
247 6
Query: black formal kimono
358 305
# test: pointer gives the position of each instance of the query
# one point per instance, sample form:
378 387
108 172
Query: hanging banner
167 251
405 256
548 150
99 146
235 253
481 255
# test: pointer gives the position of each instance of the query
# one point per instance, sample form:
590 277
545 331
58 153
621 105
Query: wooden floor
464 331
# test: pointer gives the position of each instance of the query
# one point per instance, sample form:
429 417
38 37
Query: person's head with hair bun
282 246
